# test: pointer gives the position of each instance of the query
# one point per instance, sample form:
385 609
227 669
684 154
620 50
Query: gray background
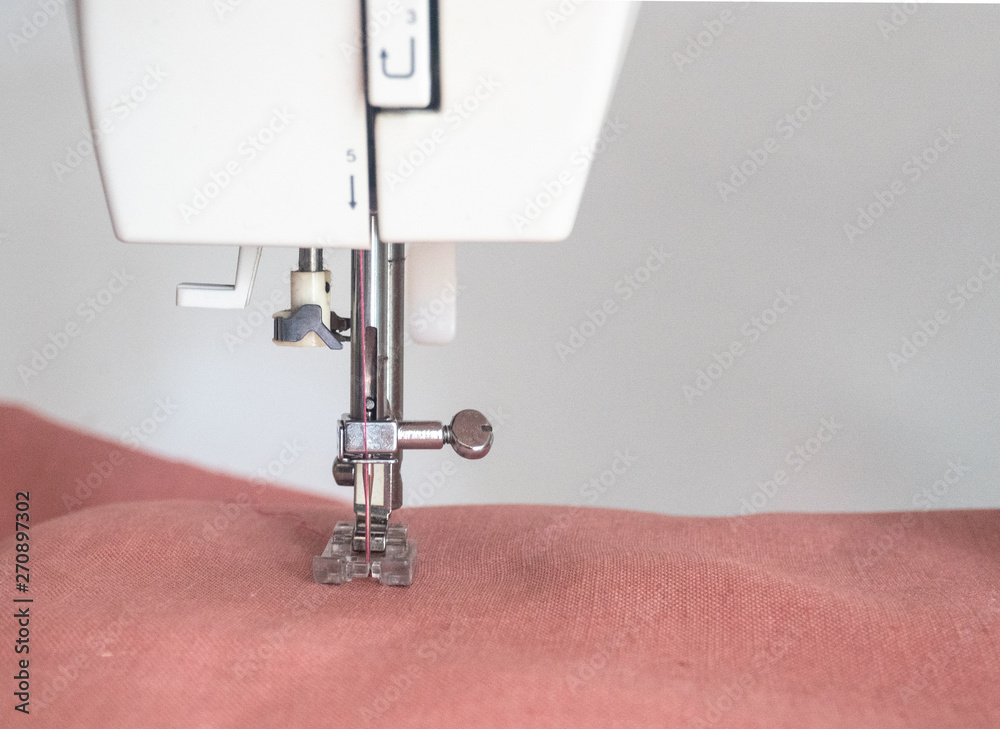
560 422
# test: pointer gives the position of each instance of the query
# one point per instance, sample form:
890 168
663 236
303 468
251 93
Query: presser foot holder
339 563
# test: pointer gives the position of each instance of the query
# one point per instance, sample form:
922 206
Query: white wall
655 186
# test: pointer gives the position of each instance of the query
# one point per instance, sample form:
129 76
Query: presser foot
340 563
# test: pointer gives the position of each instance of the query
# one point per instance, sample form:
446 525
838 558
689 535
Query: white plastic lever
224 296
431 293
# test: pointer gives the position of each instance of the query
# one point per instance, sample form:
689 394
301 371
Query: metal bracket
306 319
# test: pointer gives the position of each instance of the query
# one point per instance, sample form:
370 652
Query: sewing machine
395 128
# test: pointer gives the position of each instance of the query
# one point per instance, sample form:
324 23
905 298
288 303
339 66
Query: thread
365 475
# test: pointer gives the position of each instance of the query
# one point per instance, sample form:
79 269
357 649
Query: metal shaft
377 372
368 305
310 259
394 356
394 329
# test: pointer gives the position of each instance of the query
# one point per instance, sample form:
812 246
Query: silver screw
470 434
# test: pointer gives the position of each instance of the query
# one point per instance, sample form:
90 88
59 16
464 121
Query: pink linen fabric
169 596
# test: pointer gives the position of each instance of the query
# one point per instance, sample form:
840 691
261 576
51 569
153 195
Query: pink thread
365 477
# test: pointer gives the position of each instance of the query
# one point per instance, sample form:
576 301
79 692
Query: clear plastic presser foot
339 563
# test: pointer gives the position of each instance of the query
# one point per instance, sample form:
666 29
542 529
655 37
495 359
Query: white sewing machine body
334 123
257 123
